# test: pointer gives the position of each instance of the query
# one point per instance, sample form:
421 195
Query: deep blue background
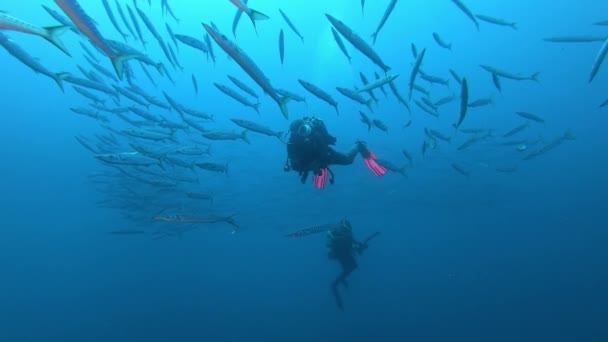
513 257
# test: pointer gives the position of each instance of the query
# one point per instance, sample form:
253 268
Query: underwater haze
135 208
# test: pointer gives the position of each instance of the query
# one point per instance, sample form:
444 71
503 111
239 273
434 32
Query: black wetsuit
313 152
342 248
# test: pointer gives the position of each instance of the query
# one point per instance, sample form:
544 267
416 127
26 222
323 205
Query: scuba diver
342 247
308 150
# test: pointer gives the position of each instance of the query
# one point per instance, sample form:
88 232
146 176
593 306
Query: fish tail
226 169
118 61
369 105
159 67
52 35
374 37
337 111
256 15
59 77
283 101
256 107
569 136
173 137
230 220
534 76
245 137
280 136
514 26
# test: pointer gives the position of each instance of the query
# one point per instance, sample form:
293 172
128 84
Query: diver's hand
362 148
361 247
360 144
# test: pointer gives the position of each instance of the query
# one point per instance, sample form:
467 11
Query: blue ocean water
495 256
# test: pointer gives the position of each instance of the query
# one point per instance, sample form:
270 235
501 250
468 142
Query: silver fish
247 64
387 13
358 42
575 39
461 170
227 136
31 62
464 102
415 70
319 93
50 33
496 21
340 43
466 11
531 117
355 97
505 74
254 127
291 25
599 59
238 97
441 42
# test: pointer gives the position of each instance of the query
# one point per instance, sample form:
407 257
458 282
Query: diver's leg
337 297
334 288
349 264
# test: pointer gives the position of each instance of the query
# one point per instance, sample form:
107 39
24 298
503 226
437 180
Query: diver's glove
361 247
362 148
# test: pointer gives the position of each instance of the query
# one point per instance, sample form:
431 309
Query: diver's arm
359 247
337 158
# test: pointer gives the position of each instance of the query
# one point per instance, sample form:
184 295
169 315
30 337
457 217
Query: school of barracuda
157 148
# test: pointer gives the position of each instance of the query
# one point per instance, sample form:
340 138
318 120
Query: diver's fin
337 297
320 181
370 161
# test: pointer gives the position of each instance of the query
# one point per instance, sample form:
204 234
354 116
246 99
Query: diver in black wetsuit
342 247
308 149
